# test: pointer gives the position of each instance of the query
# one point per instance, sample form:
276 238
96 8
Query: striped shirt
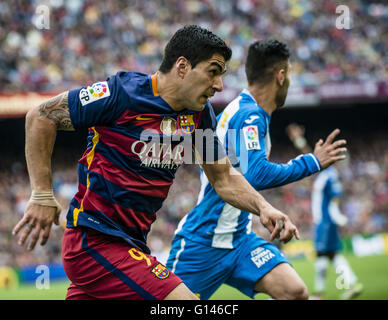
136 143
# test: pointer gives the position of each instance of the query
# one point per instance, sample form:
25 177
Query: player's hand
276 221
37 222
329 152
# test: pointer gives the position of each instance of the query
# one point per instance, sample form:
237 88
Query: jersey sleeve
206 145
98 104
254 163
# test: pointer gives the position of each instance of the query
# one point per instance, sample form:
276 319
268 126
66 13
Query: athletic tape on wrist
45 198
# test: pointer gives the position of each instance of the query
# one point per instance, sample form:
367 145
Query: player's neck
167 90
264 97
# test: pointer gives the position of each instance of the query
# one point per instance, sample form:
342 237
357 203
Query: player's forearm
40 138
235 189
42 123
264 174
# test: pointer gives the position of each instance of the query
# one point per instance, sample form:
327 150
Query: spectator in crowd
88 40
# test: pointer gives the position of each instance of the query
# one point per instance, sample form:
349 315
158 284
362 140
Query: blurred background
339 79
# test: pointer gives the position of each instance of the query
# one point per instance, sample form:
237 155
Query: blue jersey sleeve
98 104
206 143
253 155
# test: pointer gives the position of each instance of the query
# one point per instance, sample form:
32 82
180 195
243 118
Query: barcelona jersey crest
187 123
160 271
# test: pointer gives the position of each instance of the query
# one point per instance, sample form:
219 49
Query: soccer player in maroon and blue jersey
139 128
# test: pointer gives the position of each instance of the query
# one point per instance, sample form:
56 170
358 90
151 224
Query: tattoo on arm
57 110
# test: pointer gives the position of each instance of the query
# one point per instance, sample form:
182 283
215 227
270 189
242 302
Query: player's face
281 95
202 82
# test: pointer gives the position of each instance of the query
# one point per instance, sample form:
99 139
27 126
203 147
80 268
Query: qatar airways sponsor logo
159 154
169 152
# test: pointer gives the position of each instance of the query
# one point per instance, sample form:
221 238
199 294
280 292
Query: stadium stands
87 41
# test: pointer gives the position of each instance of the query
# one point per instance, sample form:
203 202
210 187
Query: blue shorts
204 269
327 238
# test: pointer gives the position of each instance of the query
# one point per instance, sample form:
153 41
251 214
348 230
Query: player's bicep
56 109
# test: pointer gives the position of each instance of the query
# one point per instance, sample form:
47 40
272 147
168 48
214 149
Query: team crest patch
160 271
187 123
94 92
168 126
251 137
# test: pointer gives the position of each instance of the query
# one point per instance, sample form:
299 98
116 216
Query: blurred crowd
86 41
365 202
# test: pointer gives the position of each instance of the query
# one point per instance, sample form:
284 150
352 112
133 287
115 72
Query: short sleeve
254 130
97 105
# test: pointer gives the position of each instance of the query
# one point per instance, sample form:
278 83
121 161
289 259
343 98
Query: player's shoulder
131 80
241 112
249 112
130 84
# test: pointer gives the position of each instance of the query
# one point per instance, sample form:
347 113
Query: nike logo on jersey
251 119
142 118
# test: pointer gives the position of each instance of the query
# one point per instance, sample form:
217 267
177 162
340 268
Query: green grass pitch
372 271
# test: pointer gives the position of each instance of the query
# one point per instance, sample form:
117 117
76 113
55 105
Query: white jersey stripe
317 197
228 220
183 243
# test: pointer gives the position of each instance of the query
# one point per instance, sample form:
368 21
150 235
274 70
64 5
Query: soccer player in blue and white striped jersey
327 219
214 243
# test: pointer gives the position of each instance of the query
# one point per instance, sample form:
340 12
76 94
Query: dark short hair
264 59
194 43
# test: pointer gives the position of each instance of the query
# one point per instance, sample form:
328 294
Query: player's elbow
31 115
35 121
224 180
219 173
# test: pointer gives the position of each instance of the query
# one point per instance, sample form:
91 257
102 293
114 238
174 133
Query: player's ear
280 77
182 66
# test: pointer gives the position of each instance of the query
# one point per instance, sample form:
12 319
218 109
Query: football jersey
136 142
326 187
243 129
